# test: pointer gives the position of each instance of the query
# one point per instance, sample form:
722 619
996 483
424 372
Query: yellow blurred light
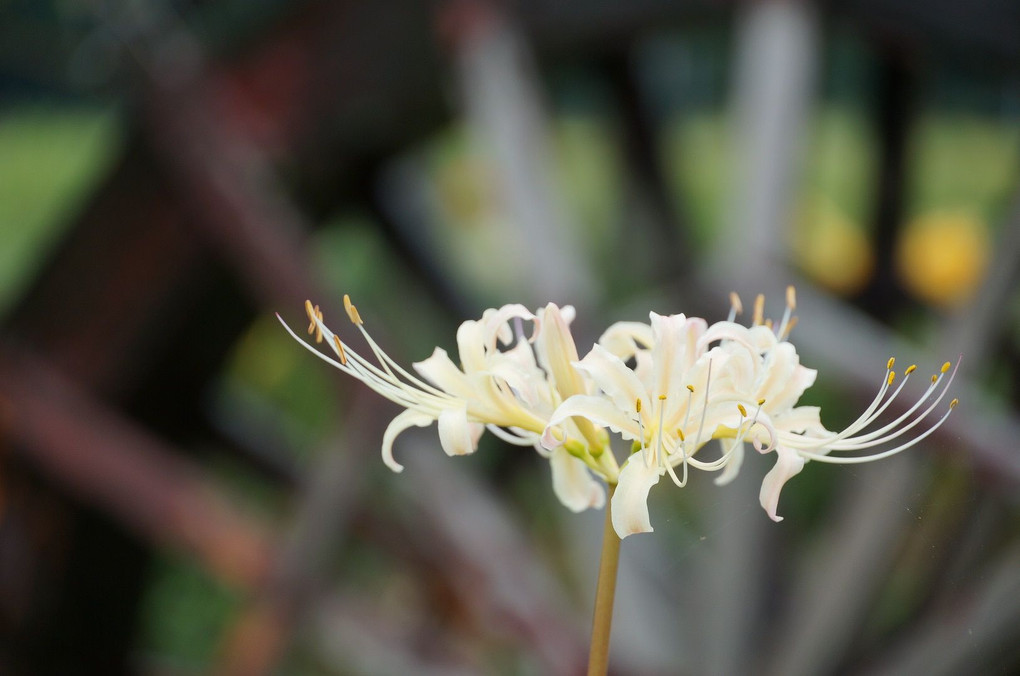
831 249
942 257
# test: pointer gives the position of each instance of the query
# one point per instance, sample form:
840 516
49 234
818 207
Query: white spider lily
691 383
506 391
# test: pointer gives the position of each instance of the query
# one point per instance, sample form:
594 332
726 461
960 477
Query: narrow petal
630 501
471 346
599 410
557 352
406 419
613 377
573 483
667 357
456 435
788 464
693 329
523 382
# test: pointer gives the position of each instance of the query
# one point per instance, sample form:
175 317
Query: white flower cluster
668 386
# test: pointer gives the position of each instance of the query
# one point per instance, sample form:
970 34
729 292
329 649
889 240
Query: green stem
605 592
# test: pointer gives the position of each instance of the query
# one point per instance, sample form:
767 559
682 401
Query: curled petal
800 380
457 436
726 331
802 420
762 337
573 483
440 370
625 339
779 368
788 464
496 323
630 501
406 419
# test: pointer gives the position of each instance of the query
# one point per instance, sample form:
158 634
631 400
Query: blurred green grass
51 158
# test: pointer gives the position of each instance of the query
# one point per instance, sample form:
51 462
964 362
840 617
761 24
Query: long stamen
865 418
757 318
687 414
704 408
739 437
791 305
849 440
875 438
683 459
387 362
511 438
339 349
783 335
385 384
641 430
682 446
851 460
736 307
741 432
658 446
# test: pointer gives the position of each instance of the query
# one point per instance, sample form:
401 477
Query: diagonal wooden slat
108 461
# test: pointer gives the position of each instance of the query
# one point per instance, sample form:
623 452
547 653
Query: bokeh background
183 490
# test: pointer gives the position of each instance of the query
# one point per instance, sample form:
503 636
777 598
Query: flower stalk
605 595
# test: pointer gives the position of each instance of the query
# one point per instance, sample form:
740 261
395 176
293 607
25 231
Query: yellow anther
680 433
743 411
352 311
945 367
889 364
768 323
892 377
312 313
637 405
910 369
953 403
791 297
761 402
759 309
691 388
935 378
662 397
317 324
340 349
738 307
